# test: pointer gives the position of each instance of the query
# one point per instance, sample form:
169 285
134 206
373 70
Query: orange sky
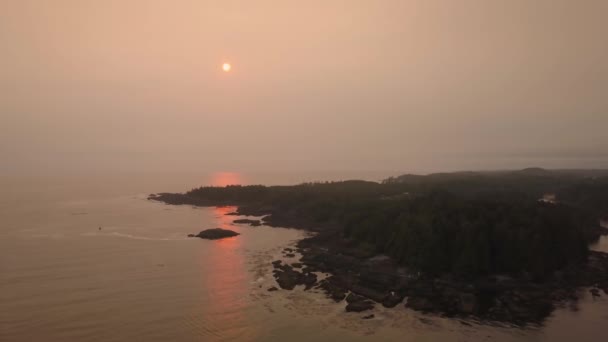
412 85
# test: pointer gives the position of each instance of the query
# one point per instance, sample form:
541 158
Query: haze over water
105 102
140 278
401 85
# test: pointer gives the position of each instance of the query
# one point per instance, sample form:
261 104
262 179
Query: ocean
139 278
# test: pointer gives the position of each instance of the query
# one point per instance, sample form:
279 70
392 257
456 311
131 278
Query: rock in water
254 223
216 233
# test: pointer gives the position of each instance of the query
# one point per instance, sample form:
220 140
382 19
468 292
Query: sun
226 67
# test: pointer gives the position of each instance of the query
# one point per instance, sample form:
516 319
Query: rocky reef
215 234
365 280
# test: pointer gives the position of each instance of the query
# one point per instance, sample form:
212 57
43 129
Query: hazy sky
411 85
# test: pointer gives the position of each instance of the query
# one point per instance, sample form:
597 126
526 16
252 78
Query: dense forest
469 223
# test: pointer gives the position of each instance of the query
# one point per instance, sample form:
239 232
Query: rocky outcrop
368 280
355 270
215 234
288 278
359 306
333 290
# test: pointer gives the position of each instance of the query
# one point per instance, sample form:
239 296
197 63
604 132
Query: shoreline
364 279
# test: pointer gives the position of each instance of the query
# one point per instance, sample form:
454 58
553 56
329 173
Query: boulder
360 306
288 279
274 288
353 298
392 299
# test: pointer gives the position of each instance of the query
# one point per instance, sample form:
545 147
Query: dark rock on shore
273 288
309 280
419 304
358 303
594 292
353 298
332 289
288 278
379 279
392 299
253 223
215 233
359 306
376 296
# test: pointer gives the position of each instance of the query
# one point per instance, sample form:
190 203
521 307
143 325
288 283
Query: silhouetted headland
487 244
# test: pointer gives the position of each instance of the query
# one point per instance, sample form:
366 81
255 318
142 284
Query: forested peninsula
502 245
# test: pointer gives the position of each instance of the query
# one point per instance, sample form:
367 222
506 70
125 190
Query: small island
481 244
215 234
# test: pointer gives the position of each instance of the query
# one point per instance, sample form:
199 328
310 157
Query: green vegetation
469 223
441 232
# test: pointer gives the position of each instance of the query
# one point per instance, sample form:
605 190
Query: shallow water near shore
140 278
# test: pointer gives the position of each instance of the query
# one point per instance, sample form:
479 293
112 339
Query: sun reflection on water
227 280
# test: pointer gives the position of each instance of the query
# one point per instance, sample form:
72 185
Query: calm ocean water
140 279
